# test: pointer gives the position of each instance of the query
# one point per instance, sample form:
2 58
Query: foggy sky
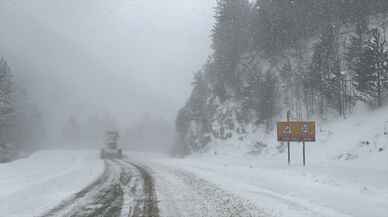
125 57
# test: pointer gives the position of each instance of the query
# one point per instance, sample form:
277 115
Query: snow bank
31 186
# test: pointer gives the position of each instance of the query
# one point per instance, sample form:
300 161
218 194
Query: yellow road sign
296 131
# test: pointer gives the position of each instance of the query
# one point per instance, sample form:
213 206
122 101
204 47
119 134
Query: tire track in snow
151 208
121 191
183 194
145 197
73 202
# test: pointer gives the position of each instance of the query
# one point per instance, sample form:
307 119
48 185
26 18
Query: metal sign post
305 131
289 154
288 142
304 154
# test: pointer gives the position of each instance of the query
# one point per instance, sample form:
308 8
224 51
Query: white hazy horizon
127 58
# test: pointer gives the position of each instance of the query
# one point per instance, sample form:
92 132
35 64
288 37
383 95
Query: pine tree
287 78
6 100
200 96
371 72
28 130
273 26
230 39
354 52
268 98
196 110
261 96
5 89
8 151
252 93
325 73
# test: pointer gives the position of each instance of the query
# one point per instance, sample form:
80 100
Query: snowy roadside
346 173
31 186
333 189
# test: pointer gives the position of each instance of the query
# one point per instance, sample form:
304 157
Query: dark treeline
313 58
21 124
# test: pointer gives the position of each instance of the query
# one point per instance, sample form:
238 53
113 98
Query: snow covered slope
360 141
31 186
346 172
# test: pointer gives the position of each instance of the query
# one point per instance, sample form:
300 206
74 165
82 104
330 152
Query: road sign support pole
289 155
304 154
288 143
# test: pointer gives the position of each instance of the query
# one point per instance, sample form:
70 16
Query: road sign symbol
287 130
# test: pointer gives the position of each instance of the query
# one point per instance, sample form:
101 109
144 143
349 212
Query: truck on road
111 149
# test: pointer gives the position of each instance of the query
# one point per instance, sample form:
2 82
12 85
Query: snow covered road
271 187
123 190
182 194
126 189
30 186
79 184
